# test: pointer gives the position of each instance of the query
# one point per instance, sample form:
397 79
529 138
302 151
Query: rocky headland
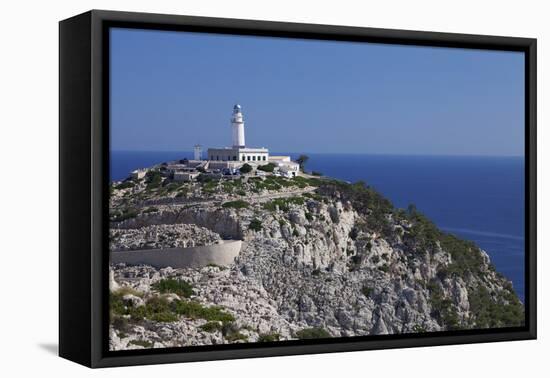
320 258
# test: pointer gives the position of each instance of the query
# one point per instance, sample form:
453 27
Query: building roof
240 149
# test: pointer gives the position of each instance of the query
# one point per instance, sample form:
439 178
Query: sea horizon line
344 153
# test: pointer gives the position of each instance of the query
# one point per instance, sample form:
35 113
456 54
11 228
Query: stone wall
220 254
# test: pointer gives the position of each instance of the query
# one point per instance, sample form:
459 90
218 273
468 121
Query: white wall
28 137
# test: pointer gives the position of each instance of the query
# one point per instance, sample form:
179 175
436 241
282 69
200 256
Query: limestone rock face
161 236
321 262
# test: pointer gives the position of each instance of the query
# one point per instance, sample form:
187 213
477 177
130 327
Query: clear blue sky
171 90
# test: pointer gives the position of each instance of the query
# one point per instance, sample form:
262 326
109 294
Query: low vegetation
153 179
121 215
507 311
230 186
246 168
283 204
235 336
211 327
367 291
443 309
159 309
255 225
269 337
142 343
125 184
195 310
172 285
269 167
238 204
312 333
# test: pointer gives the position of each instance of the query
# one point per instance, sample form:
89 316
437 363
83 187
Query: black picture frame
83 180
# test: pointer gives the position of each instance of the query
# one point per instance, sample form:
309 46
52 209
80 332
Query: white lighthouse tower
197 152
238 153
237 124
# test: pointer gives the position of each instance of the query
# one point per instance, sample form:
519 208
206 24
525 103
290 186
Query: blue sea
476 198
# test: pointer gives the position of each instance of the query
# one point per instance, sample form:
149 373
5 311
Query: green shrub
235 336
182 191
367 291
384 268
116 305
230 185
238 204
283 204
150 210
195 310
312 333
204 178
125 185
269 167
210 186
355 261
153 179
246 168
302 160
419 329
172 285
156 308
143 343
211 327
120 323
302 182
255 225
269 337
171 187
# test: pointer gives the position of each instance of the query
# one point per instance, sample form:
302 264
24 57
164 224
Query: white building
239 152
285 165
237 124
139 174
197 152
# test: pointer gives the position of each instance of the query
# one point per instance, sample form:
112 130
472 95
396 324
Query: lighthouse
237 124
238 153
197 152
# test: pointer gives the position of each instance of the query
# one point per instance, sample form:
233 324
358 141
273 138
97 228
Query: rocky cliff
322 258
